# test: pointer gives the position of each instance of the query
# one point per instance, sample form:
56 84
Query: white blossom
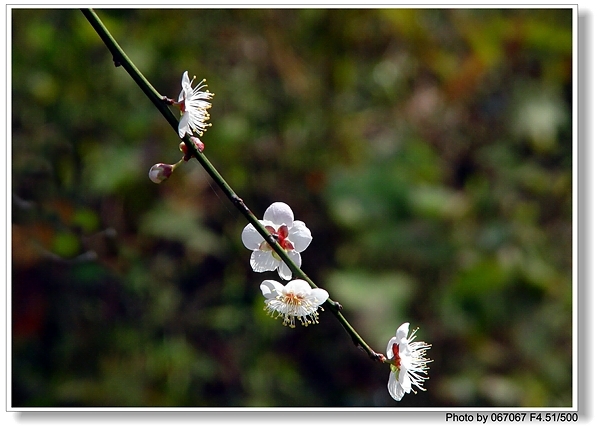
408 362
193 104
292 235
294 300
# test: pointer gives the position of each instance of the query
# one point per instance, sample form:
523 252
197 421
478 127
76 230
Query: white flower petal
183 126
279 213
185 86
405 351
298 287
319 295
295 257
402 331
251 237
404 380
271 289
300 236
389 351
261 261
284 271
185 80
394 387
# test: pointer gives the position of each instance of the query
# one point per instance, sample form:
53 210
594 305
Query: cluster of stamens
289 306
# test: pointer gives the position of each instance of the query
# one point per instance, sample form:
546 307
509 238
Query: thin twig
121 59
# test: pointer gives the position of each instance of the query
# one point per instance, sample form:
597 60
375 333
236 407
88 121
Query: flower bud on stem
161 171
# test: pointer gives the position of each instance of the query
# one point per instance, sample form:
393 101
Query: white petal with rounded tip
185 84
284 271
263 261
271 289
185 79
279 213
394 387
251 237
402 332
389 351
298 287
295 257
300 236
320 295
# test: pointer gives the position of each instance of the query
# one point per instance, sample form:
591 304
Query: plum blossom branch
162 104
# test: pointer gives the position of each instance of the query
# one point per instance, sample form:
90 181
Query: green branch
121 59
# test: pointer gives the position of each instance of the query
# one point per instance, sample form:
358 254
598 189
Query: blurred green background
429 152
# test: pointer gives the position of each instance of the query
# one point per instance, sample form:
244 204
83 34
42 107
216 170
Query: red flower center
282 238
396 358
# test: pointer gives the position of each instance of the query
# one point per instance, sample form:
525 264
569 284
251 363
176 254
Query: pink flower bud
159 172
199 144
183 148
